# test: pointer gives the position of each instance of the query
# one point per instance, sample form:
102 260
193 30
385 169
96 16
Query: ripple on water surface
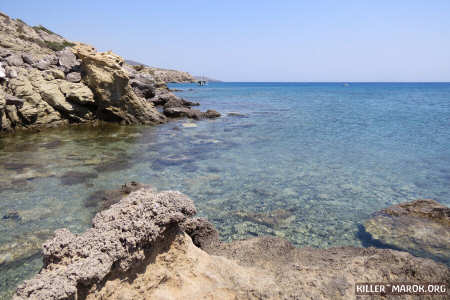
307 162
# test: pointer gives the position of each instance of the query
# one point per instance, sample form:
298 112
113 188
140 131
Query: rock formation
163 75
149 246
421 227
46 81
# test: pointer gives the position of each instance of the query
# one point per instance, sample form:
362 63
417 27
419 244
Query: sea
308 162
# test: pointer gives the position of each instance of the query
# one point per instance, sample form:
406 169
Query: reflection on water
305 162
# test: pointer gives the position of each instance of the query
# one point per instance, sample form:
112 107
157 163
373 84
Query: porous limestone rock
116 242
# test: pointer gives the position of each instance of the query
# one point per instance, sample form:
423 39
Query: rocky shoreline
149 244
48 81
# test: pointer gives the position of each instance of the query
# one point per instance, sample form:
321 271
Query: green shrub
56 46
40 27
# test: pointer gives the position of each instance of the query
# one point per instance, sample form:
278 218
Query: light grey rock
116 239
73 77
14 60
67 59
28 58
42 64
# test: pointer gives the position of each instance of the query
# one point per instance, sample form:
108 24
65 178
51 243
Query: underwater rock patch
421 227
104 199
74 177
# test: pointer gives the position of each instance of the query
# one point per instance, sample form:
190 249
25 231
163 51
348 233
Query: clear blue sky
372 40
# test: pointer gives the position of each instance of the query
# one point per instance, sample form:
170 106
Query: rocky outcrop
421 227
149 246
114 97
51 81
163 75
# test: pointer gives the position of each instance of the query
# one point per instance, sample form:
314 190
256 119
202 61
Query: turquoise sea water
305 161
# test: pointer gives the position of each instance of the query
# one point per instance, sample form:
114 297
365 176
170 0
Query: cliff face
46 81
149 246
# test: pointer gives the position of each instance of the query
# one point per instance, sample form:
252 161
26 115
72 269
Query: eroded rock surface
117 241
48 81
421 227
149 246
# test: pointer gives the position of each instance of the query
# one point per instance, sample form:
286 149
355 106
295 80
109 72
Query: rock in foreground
147 247
421 227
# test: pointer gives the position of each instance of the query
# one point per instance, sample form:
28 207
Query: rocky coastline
48 81
149 244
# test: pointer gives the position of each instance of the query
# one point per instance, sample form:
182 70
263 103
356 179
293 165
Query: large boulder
67 60
115 98
421 227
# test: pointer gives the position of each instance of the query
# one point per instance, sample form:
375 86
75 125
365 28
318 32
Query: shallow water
308 162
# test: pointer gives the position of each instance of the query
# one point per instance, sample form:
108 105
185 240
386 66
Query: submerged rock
74 177
104 199
421 227
149 246
23 247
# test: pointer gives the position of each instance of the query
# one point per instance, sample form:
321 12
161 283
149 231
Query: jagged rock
67 59
137 250
33 70
77 93
14 60
114 96
146 90
73 77
421 227
116 242
202 232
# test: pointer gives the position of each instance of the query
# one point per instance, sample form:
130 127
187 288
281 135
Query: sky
295 41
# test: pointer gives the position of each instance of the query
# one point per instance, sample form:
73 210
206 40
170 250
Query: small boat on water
202 82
